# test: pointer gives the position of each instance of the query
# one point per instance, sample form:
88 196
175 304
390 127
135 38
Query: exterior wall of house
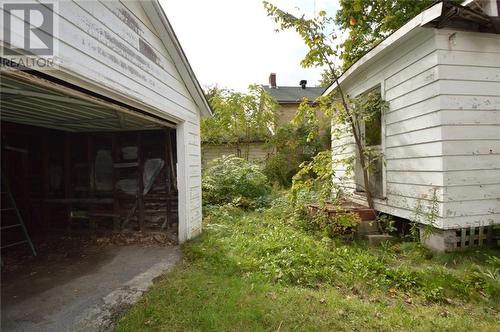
286 112
469 84
441 133
256 151
410 128
113 48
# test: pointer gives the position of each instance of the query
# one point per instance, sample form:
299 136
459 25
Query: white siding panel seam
430 77
130 32
135 47
412 117
468 51
131 12
440 140
133 65
408 57
431 186
445 155
392 109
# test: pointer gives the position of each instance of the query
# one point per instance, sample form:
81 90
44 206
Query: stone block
377 239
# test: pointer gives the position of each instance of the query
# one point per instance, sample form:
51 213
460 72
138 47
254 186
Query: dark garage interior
77 169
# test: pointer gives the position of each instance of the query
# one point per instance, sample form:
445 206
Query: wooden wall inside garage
64 180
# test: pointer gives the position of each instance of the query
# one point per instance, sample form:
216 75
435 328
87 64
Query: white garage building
111 134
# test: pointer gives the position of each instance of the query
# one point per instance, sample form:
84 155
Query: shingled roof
293 94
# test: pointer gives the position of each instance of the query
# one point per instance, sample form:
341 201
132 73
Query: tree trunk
359 144
353 121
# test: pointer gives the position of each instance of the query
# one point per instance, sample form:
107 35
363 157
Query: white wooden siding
113 48
442 129
469 73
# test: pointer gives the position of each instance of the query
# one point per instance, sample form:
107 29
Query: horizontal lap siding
107 44
412 144
442 129
469 74
342 149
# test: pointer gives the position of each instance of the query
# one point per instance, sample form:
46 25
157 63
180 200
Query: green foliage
320 37
234 180
239 117
423 220
259 271
340 225
295 143
314 178
273 243
386 222
370 21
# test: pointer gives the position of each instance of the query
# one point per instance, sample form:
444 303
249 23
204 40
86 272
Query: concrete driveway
85 295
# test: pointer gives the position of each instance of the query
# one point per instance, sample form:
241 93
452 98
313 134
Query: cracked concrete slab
86 296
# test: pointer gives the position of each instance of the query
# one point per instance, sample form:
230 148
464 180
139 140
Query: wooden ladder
5 190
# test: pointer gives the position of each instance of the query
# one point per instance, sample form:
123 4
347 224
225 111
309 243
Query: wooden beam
45 180
169 159
42 95
121 119
168 179
51 86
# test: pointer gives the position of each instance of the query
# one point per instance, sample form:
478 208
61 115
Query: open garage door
78 163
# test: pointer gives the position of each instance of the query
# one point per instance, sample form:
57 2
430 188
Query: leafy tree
370 21
239 118
317 34
297 142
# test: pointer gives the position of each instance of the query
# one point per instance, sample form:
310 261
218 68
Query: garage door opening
79 169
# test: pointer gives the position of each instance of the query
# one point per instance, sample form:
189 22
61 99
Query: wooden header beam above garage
31 100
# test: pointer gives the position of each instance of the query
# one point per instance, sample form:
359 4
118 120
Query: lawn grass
260 271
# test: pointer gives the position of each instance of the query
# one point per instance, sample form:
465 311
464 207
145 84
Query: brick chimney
272 80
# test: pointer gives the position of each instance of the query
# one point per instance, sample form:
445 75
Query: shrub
234 180
341 224
293 148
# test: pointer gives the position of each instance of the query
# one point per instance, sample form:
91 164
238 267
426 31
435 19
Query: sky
233 43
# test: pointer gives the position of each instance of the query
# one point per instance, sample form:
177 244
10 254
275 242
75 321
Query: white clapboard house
440 75
109 136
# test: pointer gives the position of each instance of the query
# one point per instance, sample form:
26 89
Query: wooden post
140 181
67 171
91 168
90 160
169 160
472 236
45 181
115 155
168 177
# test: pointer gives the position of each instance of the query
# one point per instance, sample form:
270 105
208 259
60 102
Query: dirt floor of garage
81 284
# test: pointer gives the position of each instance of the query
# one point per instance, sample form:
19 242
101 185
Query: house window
372 140
373 128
